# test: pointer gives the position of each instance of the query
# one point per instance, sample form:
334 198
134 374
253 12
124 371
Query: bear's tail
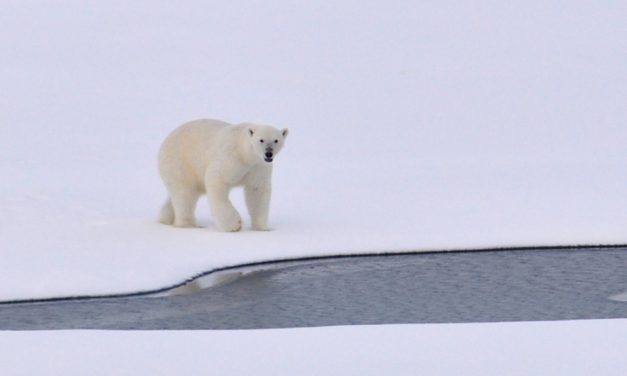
167 213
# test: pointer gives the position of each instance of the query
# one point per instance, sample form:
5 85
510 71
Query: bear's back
189 147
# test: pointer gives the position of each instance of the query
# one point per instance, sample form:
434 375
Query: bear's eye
261 140
276 141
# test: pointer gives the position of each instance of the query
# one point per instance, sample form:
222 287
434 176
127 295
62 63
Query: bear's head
266 141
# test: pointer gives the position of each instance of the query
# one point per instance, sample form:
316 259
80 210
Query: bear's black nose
268 155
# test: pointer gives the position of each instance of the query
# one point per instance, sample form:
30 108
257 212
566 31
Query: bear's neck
246 152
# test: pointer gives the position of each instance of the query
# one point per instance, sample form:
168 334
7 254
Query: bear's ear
251 131
285 132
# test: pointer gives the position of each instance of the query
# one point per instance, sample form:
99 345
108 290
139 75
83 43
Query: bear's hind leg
167 213
184 205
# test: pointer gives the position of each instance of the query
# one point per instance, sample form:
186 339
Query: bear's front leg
258 203
222 210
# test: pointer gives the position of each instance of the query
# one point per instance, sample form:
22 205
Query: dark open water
423 288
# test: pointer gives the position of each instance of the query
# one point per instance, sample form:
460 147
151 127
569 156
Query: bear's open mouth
268 160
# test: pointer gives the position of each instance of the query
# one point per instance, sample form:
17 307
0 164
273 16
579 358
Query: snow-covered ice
595 347
419 126
414 126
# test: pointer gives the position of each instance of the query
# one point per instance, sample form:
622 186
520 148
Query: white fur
211 156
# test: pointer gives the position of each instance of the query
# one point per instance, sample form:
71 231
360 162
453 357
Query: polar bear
211 157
